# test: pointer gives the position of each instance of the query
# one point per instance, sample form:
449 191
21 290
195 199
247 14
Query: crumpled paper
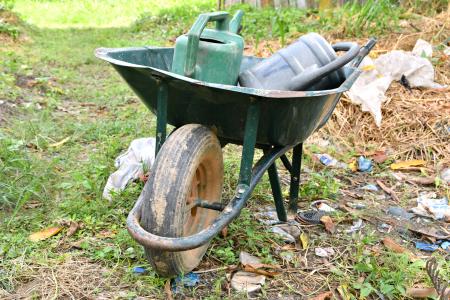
377 75
130 165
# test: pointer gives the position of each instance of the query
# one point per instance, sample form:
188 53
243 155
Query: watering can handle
306 79
194 33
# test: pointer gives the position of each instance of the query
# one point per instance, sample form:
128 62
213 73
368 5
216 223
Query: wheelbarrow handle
221 17
308 78
363 52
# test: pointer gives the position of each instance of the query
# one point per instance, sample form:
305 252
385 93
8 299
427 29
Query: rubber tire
169 187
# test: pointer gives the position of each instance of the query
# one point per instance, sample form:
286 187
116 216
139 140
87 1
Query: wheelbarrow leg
295 177
276 192
248 148
161 115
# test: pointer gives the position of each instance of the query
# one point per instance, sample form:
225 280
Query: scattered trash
445 175
139 270
358 205
329 161
430 206
268 216
383 227
188 280
400 212
357 225
370 87
408 164
310 217
370 187
422 48
364 164
283 234
445 245
130 165
328 222
247 282
426 246
292 228
421 293
44 234
322 206
324 252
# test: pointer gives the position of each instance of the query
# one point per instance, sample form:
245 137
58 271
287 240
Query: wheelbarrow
180 208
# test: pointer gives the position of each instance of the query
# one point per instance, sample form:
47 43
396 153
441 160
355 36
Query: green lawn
56 90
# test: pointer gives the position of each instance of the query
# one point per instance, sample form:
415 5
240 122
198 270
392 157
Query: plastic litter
370 88
283 234
445 175
139 270
430 206
422 48
130 165
426 247
400 212
247 282
322 205
357 225
357 205
310 217
370 187
188 280
445 245
329 161
324 252
364 164
267 216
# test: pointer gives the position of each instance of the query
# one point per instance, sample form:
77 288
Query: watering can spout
235 22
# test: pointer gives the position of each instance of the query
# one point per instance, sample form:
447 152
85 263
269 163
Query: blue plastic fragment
186 280
446 245
426 247
364 164
370 187
139 270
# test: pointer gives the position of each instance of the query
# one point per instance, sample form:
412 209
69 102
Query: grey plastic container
310 63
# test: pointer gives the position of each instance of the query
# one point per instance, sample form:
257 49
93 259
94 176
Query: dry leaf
353 166
44 234
392 245
407 164
421 292
328 222
60 143
380 156
304 239
72 229
168 290
323 296
247 282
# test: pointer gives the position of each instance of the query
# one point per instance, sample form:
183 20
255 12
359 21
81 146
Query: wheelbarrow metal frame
248 176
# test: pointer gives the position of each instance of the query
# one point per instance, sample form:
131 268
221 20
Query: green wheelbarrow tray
275 121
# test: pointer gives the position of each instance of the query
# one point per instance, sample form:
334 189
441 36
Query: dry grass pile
75 278
416 123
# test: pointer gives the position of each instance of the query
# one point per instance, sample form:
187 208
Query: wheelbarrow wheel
188 167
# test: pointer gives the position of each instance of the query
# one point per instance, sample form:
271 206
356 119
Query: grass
58 91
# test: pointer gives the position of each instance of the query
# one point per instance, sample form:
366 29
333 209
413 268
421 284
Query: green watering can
212 55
